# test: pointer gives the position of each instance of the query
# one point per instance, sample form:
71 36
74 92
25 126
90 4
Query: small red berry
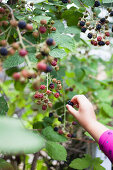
29 27
23 52
42 29
107 34
42 87
74 123
48 92
56 95
107 42
44 107
69 135
60 131
2 10
50 104
53 63
99 38
43 22
16 76
25 73
95 43
41 66
92 42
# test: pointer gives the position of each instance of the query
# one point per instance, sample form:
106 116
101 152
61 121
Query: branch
33 165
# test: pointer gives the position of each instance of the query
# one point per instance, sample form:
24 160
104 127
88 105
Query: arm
87 119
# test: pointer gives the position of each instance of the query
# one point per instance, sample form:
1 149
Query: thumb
72 111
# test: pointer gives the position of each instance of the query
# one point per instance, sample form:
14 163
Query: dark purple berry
22 24
59 119
70 103
98 27
74 123
111 13
97 4
71 89
3 51
55 129
65 1
101 43
69 135
102 20
83 29
50 114
73 135
82 23
48 69
90 35
51 86
49 41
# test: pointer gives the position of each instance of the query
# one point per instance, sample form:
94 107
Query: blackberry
98 27
112 29
65 1
59 119
49 41
101 43
73 135
3 51
55 129
97 4
51 86
83 29
102 20
111 13
48 69
50 114
70 103
22 24
82 23
90 35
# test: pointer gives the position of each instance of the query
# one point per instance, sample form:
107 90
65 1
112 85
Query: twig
33 165
5 31
29 42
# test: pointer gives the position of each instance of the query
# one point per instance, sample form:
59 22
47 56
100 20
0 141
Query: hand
85 114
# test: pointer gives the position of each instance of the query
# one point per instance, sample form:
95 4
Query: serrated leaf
89 2
59 26
80 163
77 2
3 106
107 109
14 138
107 1
72 30
56 151
13 61
39 18
51 135
63 40
58 53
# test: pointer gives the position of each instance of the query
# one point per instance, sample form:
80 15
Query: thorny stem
47 81
5 30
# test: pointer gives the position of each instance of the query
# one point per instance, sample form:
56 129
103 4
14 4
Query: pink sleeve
106 144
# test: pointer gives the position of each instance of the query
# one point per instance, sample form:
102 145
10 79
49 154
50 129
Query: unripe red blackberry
42 87
107 34
22 24
3 42
54 80
43 22
51 86
5 23
41 66
35 34
2 10
25 73
48 92
13 23
53 28
11 51
56 95
23 52
69 135
3 51
42 29
29 27
60 131
50 104
107 42
53 63
44 107
95 43
99 38
74 123
15 45
16 76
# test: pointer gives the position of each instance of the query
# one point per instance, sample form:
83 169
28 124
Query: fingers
80 99
72 111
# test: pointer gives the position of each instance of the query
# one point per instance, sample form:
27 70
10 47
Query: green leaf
89 2
3 106
36 1
80 73
56 151
107 1
19 86
107 109
59 26
14 138
77 2
58 53
39 18
13 61
80 163
63 40
51 135
72 30
5 165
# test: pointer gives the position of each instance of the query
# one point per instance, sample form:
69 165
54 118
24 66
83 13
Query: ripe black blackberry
102 20
49 41
65 1
83 29
98 27
82 23
97 4
48 69
90 35
3 51
101 43
22 24
59 119
50 114
70 103
111 13
55 129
